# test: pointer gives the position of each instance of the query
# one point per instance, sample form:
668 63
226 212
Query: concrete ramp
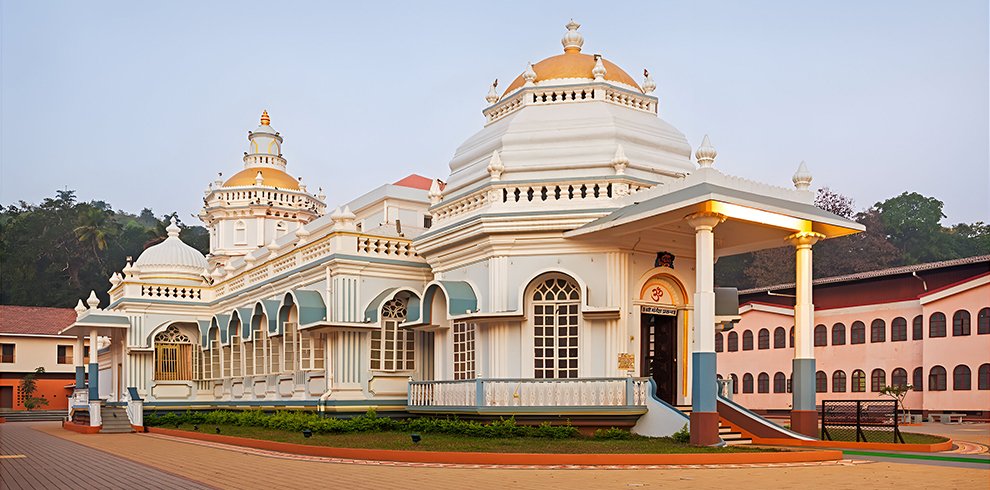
754 424
661 419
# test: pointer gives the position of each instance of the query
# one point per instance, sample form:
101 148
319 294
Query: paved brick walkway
232 467
31 459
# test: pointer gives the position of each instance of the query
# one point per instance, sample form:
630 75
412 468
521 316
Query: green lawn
886 436
444 442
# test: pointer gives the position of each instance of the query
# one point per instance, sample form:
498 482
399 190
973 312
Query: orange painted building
28 340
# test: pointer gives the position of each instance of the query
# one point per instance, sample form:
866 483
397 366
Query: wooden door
659 354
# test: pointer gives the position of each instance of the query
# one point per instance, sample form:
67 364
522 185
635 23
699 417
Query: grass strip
955 459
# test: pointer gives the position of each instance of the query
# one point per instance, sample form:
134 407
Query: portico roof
103 323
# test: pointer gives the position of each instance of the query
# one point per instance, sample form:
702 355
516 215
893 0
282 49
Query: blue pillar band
803 384
703 382
80 377
94 381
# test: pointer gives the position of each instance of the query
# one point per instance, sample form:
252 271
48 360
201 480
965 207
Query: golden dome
573 64
273 178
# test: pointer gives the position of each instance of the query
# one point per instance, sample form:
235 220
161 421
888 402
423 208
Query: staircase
731 437
115 420
32 415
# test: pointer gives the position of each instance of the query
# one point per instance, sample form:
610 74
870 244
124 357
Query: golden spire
265 120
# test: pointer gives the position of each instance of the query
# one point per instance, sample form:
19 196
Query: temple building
562 270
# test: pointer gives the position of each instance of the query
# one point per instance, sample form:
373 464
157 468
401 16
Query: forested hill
54 253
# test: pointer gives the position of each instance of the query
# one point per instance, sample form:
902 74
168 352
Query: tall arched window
234 333
748 382
838 334
215 355
960 323
763 383
878 331
748 340
718 341
983 377
898 377
821 382
983 322
858 381
464 334
764 339
936 379
735 384
779 383
962 378
878 379
839 382
857 333
936 325
391 347
898 329
240 233
918 328
259 344
821 336
290 339
733 342
779 338
556 301
173 355
790 338
918 379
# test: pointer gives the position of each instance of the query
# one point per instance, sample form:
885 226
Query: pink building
925 325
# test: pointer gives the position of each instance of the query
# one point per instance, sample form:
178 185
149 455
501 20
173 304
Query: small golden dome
573 64
273 178
265 120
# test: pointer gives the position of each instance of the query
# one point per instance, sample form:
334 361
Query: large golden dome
273 178
573 64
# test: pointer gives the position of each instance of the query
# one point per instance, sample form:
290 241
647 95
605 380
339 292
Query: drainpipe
923 283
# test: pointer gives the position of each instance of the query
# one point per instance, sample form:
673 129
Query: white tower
258 204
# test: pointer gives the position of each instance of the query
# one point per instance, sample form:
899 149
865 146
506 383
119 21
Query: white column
804 415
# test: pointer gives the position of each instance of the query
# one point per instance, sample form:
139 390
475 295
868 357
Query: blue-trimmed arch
412 304
242 316
309 304
220 322
461 298
267 308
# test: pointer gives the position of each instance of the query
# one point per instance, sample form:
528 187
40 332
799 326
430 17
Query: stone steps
32 415
114 420
730 436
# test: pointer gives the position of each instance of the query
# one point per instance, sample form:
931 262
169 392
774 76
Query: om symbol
656 293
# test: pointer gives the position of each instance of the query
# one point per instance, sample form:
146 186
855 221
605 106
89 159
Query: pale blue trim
133 393
241 314
94 381
803 385
704 386
270 309
478 217
460 298
204 332
218 320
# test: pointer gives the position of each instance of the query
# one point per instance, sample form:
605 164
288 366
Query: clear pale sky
140 104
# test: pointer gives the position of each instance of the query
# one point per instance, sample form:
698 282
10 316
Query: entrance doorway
659 353
6 397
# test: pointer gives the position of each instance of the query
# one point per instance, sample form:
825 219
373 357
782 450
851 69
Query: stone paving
154 461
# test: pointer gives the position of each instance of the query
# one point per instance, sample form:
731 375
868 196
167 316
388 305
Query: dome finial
599 70
648 84
492 96
573 40
620 161
173 228
529 75
802 178
265 120
705 154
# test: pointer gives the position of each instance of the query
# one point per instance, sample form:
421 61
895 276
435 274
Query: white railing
518 392
562 94
172 292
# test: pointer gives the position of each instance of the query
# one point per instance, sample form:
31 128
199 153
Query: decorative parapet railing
385 247
559 94
520 193
520 392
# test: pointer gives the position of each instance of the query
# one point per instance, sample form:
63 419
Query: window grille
556 302
464 367
173 355
392 348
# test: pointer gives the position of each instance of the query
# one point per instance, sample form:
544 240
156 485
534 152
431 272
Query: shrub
682 436
612 433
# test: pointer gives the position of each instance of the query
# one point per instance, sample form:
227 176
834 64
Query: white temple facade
563 268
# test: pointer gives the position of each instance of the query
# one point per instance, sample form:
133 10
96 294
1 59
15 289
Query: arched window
857 333
936 325
779 338
858 381
234 334
748 340
790 342
763 383
215 354
918 379
764 339
464 335
779 383
983 322
839 382
821 382
259 333
898 330
735 384
936 379
918 328
983 377
838 334
391 346
733 342
878 379
878 331
898 377
821 336
960 323
173 355
748 382
556 301
240 233
718 341
962 378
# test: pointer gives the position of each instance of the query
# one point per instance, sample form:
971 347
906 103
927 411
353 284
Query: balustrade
490 392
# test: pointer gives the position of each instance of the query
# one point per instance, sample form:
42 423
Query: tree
898 393
29 385
911 223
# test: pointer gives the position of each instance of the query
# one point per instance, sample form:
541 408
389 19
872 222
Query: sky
140 104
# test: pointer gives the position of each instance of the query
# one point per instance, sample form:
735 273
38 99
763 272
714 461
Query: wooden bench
947 418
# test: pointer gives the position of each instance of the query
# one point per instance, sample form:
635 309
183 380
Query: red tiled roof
416 181
36 320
